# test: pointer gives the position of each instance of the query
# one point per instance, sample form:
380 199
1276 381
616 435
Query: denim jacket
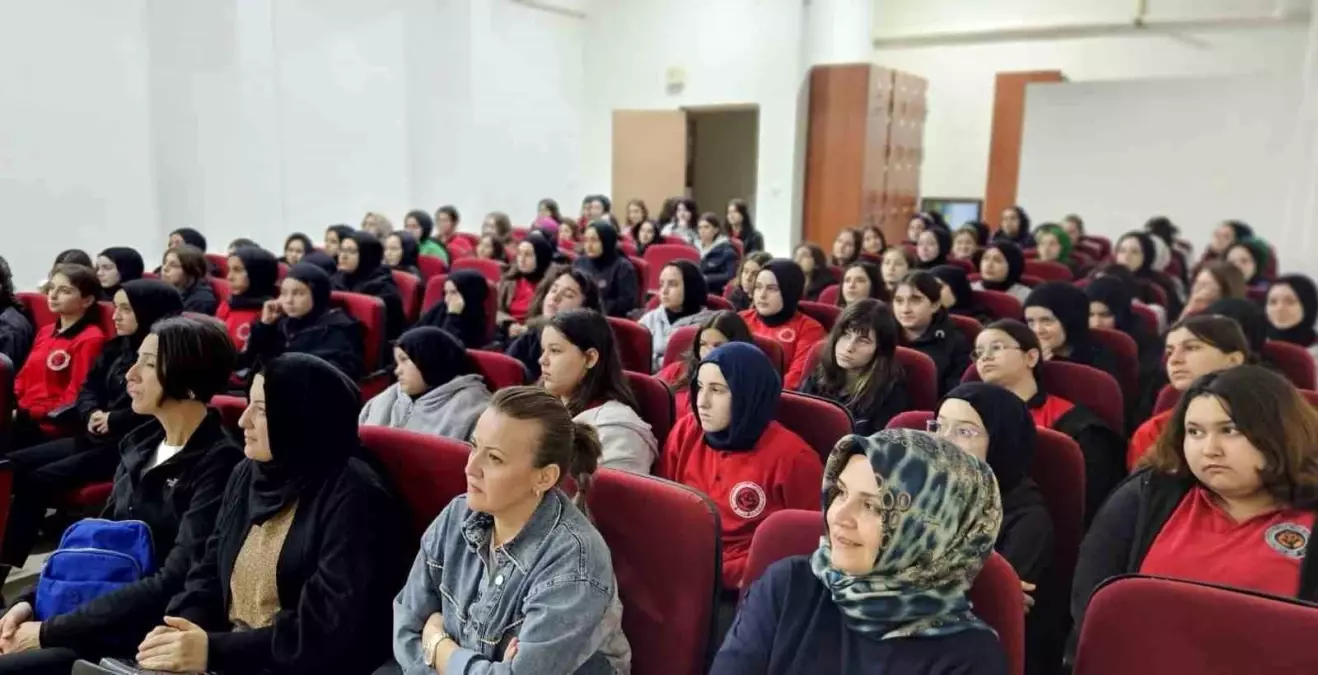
552 587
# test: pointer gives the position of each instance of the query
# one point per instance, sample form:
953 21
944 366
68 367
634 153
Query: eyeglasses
962 430
992 350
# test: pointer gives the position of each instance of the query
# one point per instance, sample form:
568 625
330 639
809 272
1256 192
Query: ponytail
586 452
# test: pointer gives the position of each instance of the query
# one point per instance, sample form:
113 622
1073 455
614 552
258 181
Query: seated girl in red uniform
1226 497
773 314
734 451
1196 345
47 385
715 331
253 275
1008 354
517 287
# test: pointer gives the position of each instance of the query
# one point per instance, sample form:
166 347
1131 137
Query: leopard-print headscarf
942 511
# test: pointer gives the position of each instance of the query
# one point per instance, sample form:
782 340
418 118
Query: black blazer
105 389
200 298
344 559
943 342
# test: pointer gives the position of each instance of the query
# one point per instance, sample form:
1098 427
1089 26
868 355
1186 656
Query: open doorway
723 155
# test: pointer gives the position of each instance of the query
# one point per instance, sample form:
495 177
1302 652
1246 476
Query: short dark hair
194 358
588 329
191 259
450 211
74 256
82 277
924 282
242 242
1222 333
713 219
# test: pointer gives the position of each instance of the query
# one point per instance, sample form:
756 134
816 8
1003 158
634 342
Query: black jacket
379 283
943 342
820 279
873 419
1125 529
1103 448
1026 536
526 348
618 286
178 501
740 299
333 336
105 389
16 336
719 266
344 559
752 242
200 298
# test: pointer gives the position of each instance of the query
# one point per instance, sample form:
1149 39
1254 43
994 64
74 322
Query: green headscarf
1062 238
942 511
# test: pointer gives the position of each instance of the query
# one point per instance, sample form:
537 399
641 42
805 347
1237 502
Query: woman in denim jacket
513 575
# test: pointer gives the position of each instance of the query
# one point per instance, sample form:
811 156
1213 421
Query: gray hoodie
628 442
449 410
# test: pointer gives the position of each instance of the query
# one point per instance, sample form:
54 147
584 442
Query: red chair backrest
819 422
1147 315
628 247
1000 305
967 266
430 265
1030 280
995 595
409 286
282 272
1048 270
219 264
368 310
223 291
38 307
826 315
679 344
1128 359
829 295
1149 625
435 294
429 471
643 274
658 255
656 403
968 326
473 241
490 269
1168 397
1294 361
664 541
230 408
1085 385
635 344
499 370
107 319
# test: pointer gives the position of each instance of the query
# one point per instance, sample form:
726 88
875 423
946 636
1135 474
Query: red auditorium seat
634 344
1031 280
230 408
658 255
219 264
222 289
829 295
628 247
966 266
1048 270
1087 386
409 286
107 319
499 370
473 239
1168 397
921 375
429 266
368 310
519 233
818 421
1140 624
826 315
643 272
490 269
1294 361
664 541
995 595
968 327
679 343
38 307
435 294
429 471
656 403
282 272
1000 305
1147 315
1127 354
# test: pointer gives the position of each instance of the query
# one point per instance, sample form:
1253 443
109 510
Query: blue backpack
94 557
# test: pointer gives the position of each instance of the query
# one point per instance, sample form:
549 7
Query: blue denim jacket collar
479 528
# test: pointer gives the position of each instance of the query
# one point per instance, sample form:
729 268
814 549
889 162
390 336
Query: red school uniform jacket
782 472
57 365
238 322
798 337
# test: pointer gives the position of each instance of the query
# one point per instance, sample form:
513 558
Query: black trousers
55 661
42 473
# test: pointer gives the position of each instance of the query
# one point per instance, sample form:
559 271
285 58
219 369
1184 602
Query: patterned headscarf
942 511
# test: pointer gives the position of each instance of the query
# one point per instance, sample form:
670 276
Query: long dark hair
1222 333
882 374
730 324
588 329
747 227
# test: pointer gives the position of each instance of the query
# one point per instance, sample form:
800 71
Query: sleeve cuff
459 660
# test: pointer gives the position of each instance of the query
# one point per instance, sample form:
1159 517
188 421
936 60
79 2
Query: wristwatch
428 649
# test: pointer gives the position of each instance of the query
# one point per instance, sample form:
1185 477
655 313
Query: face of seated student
564 294
501 472
1239 257
107 273
914 311
709 340
683 215
855 518
1000 360
1130 254
1205 290
914 227
1051 333
768 297
393 250
1011 222
962 426
567 233
707 232
1048 247
647 233
964 245
171 272
409 376
331 243
871 241
525 257
894 266
453 298
563 365
926 247
733 216
1223 237
293 251
1285 311
485 249
1072 229
176 240
749 271
844 247
594 209
993 265
1218 453
713 399
370 224
672 293
1101 316
125 320
256 433
143 379
295 298
349 256
855 285
238 281
855 349
65 299
805 260
1189 357
634 214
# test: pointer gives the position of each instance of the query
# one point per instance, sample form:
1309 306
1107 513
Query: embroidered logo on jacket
787 335
58 360
747 499
1288 539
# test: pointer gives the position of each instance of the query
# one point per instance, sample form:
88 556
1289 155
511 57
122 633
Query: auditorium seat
826 315
471 238
499 370
830 294
1168 397
818 421
999 305
409 286
968 326
1127 353
643 278
1048 270
490 269
664 541
679 344
368 310
230 408
38 307
635 345
430 265
219 265
223 291
428 471
1085 385
656 403
1294 361
658 255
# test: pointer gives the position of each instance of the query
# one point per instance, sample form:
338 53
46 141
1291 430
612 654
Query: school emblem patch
58 360
787 336
747 499
244 332
1288 539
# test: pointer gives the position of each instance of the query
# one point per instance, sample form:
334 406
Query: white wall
1197 150
961 76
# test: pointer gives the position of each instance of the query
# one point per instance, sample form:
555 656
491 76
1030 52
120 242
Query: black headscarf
311 414
262 272
370 260
1257 252
322 260
151 300
191 237
343 231
1115 294
1015 266
472 326
944 246
1147 246
321 286
1252 319
424 220
694 290
411 250
608 235
544 257
1010 429
957 280
1241 230
1302 333
129 263
1023 237
1071 307
791 283
439 356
